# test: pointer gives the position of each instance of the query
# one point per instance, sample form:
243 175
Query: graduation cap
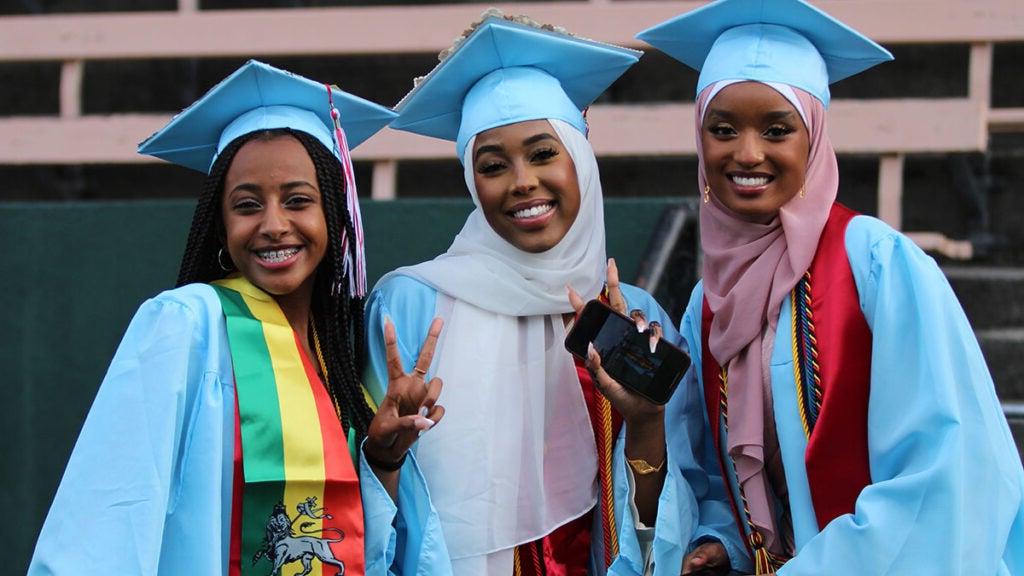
258 96
507 72
784 41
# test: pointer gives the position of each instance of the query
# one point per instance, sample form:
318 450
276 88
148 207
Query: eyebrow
781 115
770 116
487 148
498 147
537 138
287 186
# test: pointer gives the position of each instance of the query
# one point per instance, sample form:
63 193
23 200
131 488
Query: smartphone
626 353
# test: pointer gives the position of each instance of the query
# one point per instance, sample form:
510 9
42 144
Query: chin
276 287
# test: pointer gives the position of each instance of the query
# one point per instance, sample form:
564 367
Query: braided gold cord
801 405
764 561
611 538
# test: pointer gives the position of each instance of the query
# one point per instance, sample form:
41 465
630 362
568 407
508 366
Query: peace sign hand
409 408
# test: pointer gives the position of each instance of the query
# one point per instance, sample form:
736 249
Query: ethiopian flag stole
301 507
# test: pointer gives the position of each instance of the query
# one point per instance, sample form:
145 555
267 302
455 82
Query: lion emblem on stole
283 545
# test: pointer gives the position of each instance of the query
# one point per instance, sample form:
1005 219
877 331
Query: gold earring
707 190
802 195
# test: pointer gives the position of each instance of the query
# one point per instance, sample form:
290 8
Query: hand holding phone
626 352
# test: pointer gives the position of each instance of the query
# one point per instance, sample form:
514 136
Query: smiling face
275 230
755 149
526 183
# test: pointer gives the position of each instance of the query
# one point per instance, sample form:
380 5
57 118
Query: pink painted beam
868 127
418 29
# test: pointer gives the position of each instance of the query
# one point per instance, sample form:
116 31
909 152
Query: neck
296 308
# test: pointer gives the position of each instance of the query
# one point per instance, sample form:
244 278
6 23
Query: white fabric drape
515 456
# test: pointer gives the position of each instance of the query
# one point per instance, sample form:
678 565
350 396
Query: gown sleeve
122 480
406 538
945 496
692 507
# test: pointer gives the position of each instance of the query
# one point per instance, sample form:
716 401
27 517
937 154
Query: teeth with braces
533 212
750 180
275 256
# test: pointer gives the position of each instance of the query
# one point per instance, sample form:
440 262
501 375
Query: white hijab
515 457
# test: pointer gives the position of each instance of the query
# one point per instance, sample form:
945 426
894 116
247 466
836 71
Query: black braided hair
337 314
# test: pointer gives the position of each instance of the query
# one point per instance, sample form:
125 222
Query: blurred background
932 143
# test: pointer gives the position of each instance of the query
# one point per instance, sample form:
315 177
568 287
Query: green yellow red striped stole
300 498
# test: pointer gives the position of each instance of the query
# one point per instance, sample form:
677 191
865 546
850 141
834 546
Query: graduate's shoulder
197 298
397 289
185 313
637 297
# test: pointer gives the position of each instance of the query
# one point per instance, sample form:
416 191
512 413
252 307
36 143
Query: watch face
642 467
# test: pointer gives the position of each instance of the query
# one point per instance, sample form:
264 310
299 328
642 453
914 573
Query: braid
340 316
337 315
199 262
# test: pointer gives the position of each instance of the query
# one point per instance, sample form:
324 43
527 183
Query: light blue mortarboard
506 72
786 41
258 96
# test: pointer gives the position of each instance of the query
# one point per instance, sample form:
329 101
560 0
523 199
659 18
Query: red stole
837 451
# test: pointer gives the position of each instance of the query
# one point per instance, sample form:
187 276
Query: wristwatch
642 467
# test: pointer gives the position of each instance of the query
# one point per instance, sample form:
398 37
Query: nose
275 223
749 152
525 178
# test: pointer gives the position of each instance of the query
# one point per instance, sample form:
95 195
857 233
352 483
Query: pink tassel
357 277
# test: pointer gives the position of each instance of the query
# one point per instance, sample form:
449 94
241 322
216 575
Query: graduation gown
148 487
411 306
945 487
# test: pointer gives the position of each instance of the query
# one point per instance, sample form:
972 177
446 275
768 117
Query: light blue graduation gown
411 306
148 487
947 483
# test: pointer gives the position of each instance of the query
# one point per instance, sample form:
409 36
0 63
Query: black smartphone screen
626 353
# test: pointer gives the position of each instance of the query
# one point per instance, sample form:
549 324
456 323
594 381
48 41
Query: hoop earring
220 262
707 191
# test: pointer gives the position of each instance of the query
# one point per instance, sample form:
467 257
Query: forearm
387 473
645 440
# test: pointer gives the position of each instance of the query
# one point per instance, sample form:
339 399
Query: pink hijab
739 257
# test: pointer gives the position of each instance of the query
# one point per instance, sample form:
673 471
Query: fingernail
423 411
424 424
641 326
654 344
591 351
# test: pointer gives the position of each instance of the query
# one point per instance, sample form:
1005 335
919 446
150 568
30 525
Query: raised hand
635 409
645 424
409 408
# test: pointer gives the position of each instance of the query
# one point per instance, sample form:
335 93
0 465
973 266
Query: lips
277 257
533 214
533 211
750 183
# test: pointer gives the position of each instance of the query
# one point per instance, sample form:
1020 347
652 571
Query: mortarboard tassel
357 280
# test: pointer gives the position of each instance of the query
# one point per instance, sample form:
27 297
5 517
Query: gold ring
419 371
